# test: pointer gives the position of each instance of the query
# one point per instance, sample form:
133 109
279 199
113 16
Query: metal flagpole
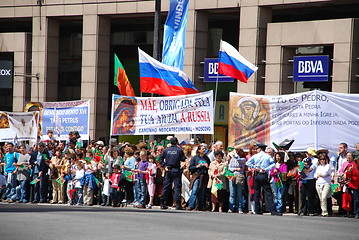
215 102
156 40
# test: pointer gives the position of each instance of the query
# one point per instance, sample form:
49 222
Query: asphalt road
51 222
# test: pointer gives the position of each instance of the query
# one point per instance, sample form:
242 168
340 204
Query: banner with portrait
17 127
186 114
62 117
315 119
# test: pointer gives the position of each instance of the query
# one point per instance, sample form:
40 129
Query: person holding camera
308 190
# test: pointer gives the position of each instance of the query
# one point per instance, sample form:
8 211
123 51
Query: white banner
16 127
313 119
186 114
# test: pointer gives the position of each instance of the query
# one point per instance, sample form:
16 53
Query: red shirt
353 174
115 179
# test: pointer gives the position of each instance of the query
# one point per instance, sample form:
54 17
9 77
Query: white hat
100 143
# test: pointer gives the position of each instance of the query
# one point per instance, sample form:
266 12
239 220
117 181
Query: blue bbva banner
311 68
175 34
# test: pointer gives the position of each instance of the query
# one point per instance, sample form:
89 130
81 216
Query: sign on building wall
221 113
62 117
186 114
211 71
313 119
311 69
16 127
6 74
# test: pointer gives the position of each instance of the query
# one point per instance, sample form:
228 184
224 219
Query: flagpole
156 41
215 102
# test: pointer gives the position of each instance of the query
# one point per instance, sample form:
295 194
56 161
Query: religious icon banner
16 127
315 119
185 114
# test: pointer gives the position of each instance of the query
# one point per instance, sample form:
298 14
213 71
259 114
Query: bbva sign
311 68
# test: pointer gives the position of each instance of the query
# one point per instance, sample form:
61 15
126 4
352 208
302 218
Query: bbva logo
310 67
5 72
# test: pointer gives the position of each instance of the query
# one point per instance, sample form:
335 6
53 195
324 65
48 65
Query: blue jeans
10 186
355 193
24 185
278 193
236 198
115 196
79 196
142 191
197 194
22 191
136 193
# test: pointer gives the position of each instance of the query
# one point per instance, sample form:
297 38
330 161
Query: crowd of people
195 177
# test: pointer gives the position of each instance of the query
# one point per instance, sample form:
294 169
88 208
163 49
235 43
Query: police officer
170 160
261 163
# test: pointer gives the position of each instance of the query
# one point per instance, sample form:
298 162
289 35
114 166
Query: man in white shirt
218 146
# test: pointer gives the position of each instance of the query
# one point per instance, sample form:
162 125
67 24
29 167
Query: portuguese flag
128 175
121 80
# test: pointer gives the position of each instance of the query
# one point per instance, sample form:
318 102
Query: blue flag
175 34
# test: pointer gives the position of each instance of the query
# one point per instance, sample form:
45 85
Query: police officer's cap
262 146
174 141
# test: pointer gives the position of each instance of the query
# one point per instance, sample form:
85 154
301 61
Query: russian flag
231 63
156 77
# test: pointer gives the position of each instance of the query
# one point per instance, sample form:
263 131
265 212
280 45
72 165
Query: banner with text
313 119
186 114
16 127
62 117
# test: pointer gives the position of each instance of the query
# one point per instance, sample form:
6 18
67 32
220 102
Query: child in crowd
114 187
136 192
142 171
78 180
70 170
106 190
152 171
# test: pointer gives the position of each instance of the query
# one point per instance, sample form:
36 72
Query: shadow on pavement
28 207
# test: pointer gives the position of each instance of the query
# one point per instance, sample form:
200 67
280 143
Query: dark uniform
170 160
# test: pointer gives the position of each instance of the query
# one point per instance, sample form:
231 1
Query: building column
252 43
95 71
198 36
45 47
52 60
345 52
354 85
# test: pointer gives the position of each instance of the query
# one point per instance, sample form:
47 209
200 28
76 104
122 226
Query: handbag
54 173
347 201
239 179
